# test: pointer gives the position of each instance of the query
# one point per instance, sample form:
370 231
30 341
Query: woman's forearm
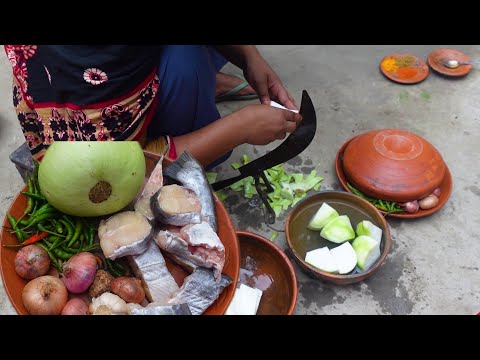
238 54
213 141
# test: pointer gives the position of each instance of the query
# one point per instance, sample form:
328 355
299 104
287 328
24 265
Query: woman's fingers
292 121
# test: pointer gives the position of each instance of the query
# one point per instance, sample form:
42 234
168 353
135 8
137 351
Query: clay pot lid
393 164
404 68
437 58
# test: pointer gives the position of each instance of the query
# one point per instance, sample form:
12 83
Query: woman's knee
186 64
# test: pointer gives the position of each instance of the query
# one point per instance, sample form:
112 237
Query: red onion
411 206
45 295
31 262
75 306
437 192
79 272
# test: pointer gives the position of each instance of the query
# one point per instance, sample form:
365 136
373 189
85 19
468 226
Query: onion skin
45 295
79 271
75 306
31 262
437 192
429 202
129 289
411 206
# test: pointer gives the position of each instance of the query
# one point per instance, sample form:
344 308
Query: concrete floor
433 266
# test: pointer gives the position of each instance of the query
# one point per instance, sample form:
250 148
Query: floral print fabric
58 98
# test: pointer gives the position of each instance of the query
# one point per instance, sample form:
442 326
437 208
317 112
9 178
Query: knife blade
291 147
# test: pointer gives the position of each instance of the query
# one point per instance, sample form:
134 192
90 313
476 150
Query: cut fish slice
200 290
154 183
176 205
125 233
150 267
191 174
156 309
198 244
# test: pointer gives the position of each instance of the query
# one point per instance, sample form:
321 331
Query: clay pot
393 164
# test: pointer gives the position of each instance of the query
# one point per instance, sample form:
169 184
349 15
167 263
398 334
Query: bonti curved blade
291 147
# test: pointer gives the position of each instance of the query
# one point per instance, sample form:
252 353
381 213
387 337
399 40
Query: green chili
113 271
58 226
42 228
50 255
69 220
62 254
21 236
36 165
91 235
44 216
34 196
55 241
78 230
70 229
30 202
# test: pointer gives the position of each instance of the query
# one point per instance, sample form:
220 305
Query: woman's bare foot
227 82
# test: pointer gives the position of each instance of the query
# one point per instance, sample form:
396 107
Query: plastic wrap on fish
150 267
125 233
197 243
191 174
154 183
176 205
200 290
156 309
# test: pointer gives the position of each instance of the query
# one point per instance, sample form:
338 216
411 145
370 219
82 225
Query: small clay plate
404 68
437 58
301 240
445 187
263 265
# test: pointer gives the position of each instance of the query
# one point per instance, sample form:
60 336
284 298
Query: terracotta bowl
263 265
393 164
301 240
14 284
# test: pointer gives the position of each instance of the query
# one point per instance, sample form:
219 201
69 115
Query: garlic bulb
107 304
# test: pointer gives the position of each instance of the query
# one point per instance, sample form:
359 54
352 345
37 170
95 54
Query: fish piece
150 267
200 290
191 174
157 309
198 244
176 205
154 183
125 233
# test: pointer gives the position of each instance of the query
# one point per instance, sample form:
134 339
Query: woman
163 96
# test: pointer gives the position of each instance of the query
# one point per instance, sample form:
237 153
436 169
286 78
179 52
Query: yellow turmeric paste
389 65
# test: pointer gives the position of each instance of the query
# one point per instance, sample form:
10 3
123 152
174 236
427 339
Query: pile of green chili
61 235
384 205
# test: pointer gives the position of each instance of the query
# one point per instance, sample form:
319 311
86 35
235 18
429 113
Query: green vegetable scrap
425 95
289 189
211 177
274 236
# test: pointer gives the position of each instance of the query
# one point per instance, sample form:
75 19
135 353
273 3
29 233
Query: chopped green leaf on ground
288 189
274 236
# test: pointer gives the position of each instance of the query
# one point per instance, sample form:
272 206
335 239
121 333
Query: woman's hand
254 124
264 124
266 82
